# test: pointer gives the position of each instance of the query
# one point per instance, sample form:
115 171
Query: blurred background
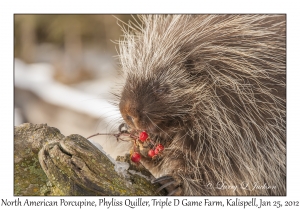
65 70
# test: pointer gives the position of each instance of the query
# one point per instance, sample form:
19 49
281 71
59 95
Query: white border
8 8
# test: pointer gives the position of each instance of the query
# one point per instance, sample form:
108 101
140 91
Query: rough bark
48 163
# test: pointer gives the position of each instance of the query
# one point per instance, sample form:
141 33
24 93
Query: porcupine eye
160 90
129 118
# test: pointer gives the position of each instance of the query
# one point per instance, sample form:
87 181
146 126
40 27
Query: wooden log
72 165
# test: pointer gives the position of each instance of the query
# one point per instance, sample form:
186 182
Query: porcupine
211 89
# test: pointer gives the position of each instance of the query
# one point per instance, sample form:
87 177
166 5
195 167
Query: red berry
135 157
143 136
151 153
160 147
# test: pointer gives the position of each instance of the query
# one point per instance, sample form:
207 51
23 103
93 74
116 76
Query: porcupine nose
130 113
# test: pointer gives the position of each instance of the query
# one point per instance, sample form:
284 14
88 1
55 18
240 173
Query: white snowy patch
121 168
139 174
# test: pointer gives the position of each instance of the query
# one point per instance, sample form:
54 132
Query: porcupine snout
140 109
132 114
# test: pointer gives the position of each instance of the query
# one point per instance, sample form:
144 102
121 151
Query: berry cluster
143 136
136 157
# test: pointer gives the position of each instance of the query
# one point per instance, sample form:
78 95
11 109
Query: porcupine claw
162 178
165 185
177 190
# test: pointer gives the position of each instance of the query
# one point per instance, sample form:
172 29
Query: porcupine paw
170 183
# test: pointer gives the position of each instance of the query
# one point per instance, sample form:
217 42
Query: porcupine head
158 87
